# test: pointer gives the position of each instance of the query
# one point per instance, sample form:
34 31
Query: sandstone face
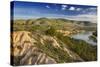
27 49
24 46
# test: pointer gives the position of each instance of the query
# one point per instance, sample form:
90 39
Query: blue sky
28 10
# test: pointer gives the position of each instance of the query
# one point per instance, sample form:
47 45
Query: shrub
51 31
86 51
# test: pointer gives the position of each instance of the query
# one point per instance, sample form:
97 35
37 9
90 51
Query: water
85 36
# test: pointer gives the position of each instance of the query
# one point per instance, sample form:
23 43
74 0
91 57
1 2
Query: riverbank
86 51
85 36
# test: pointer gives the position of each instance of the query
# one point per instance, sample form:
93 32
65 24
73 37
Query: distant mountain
58 23
56 19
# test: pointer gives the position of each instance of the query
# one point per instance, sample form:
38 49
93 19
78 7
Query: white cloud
92 8
47 6
83 11
64 7
78 9
72 8
84 17
90 14
90 11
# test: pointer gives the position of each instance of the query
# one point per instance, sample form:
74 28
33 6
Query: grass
83 49
58 54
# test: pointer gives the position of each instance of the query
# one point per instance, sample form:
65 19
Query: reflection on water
85 36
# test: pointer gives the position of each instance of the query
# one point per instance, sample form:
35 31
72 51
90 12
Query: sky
29 10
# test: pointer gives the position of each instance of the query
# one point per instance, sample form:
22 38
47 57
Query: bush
86 51
51 31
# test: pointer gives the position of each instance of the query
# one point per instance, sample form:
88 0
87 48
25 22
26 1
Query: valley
51 41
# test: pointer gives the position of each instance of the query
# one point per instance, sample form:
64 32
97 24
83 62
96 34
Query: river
84 36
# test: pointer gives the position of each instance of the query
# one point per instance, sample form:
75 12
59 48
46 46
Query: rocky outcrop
25 48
